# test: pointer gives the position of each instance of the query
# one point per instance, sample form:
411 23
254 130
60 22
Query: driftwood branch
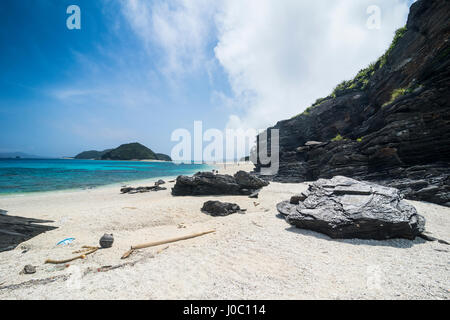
157 243
81 256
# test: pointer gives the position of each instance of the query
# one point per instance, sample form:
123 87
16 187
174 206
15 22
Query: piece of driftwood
157 243
81 256
15 230
85 249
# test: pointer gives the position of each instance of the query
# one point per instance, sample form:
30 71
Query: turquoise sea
32 175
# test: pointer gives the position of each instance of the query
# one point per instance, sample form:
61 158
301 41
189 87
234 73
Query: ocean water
33 175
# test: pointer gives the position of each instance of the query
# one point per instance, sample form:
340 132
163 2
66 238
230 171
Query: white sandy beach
255 255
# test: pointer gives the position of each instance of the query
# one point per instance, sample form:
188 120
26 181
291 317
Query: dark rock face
297 198
208 183
402 142
217 208
346 208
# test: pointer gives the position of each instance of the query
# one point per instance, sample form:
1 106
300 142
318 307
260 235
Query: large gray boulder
346 208
208 183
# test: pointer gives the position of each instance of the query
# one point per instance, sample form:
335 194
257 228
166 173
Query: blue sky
137 70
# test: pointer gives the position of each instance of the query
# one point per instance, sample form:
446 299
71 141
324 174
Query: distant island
18 155
92 154
129 151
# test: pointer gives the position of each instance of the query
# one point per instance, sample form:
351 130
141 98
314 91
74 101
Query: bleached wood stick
71 259
157 243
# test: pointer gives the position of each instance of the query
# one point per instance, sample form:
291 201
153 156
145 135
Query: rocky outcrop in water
208 183
346 208
390 125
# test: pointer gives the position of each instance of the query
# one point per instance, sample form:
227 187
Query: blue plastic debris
65 241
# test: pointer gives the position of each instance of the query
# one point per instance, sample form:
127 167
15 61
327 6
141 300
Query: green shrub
398 35
337 138
397 93
319 101
363 77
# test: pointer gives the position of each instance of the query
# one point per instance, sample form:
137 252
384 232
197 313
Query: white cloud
180 28
279 56
282 55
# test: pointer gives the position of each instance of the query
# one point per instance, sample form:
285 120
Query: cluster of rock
402 140
346 208
208 183
132 190
217 208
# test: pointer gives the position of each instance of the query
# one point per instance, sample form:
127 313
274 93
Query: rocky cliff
390 124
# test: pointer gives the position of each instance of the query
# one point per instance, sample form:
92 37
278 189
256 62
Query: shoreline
255 255
215 166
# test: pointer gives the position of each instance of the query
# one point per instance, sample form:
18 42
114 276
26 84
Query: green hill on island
129 151
163 157
92 154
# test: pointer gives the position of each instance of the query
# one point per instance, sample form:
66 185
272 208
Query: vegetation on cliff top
362 79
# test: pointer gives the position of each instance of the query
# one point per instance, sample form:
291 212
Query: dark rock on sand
217 208
390 125
15 230
346 208
247 181
159 182
106 241
208 183
254 195
285 208
131 190
29 269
